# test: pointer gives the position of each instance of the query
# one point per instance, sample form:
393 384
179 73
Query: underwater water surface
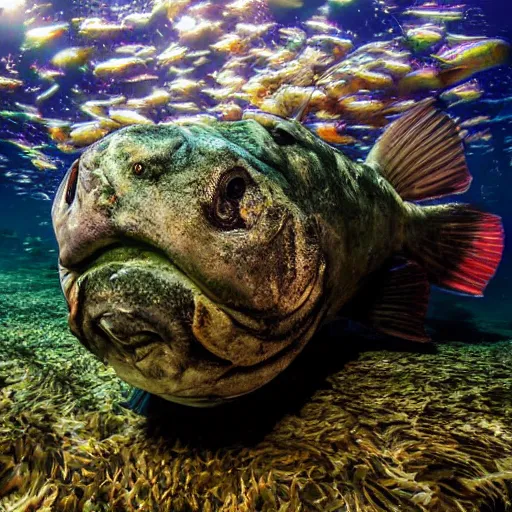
359 421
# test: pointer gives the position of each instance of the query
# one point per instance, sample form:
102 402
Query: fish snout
122 309
81 212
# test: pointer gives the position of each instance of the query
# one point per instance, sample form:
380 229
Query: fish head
187 260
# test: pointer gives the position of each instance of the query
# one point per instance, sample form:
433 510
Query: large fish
199 260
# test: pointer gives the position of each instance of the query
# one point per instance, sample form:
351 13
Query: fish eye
72 183
223 209
235 188
138 168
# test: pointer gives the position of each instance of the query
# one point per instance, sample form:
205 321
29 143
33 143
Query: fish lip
67 280
83 265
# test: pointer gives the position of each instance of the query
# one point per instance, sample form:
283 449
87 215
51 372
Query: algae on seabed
383 430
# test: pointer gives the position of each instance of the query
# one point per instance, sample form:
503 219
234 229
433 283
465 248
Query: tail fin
422 156
459 246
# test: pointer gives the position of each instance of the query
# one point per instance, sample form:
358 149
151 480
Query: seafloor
355 425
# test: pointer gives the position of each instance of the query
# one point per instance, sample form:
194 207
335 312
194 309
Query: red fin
422 155
459 246
395 302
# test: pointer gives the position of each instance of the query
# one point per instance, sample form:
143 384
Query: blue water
26 193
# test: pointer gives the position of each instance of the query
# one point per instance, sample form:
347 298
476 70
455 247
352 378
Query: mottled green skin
359 216
233 306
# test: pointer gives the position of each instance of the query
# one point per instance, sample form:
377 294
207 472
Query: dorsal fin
422 155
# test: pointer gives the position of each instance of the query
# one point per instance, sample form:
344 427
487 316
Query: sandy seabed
354 425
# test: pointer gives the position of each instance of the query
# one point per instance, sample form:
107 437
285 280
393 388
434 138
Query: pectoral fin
394 301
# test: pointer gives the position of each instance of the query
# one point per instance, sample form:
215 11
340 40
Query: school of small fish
78 78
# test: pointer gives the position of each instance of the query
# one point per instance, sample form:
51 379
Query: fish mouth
135 310
71 270
132 308
113 262
133 247
70 273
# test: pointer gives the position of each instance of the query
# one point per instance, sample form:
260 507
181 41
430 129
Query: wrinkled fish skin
283 268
